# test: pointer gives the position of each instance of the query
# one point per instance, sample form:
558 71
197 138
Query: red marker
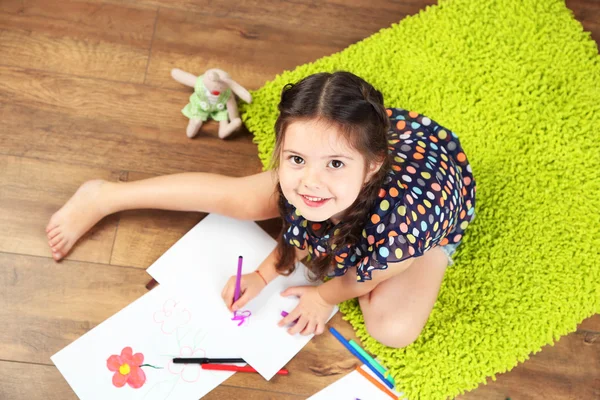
247 368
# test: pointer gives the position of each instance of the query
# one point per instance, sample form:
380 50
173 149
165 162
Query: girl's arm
316 303
347 287
267 268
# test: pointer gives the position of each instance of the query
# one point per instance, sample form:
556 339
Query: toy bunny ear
238 90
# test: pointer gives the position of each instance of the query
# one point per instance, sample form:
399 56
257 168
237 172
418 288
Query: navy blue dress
427 199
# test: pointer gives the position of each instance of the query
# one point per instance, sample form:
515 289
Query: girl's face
319 173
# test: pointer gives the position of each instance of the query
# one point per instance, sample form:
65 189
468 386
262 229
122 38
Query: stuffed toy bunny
212 98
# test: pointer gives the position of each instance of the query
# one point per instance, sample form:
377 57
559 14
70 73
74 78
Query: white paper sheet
352 387
199 265
160 326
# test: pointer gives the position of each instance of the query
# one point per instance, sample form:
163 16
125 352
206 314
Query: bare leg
193 127
396 311
252 197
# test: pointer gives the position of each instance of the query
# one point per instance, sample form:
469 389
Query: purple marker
236 294
285 314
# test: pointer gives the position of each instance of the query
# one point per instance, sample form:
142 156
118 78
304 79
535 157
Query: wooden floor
85 92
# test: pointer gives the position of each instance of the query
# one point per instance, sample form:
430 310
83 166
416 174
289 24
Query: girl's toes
56 240
49 227
52 224
59 246
53 233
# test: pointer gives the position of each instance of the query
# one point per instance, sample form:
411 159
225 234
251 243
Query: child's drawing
121 358
241 316
172 315
127 368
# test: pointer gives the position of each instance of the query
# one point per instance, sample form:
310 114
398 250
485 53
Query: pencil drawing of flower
172 315
126 368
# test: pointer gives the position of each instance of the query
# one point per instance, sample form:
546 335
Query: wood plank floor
85 92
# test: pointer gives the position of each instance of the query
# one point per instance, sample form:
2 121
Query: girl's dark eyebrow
329 156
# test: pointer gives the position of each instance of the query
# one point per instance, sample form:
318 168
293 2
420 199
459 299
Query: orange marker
375 382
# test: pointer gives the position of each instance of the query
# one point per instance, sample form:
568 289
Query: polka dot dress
427 200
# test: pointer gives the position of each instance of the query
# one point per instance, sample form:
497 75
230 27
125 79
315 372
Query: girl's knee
392 333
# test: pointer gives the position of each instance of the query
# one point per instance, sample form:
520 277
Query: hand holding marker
215 364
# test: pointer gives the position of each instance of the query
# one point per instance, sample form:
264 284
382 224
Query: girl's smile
314 201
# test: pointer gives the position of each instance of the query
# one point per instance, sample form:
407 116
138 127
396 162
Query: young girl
376 198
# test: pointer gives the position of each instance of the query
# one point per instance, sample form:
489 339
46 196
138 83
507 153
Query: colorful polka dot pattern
427 200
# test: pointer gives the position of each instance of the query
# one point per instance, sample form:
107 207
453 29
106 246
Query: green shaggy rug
519 82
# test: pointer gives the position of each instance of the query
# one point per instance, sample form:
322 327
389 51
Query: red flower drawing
127 368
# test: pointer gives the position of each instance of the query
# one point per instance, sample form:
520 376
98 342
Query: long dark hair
356 109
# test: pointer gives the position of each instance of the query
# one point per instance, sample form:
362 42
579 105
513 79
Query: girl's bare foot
76 217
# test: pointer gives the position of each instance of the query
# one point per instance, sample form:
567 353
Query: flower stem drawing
148 365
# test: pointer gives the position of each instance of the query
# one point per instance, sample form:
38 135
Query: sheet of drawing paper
352 387
199 265
129 356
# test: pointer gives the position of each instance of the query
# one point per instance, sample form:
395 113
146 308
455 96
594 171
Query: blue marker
347 345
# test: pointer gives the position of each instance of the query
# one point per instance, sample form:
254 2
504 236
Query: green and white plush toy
212 98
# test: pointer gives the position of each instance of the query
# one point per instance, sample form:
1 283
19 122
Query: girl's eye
297 160
336 164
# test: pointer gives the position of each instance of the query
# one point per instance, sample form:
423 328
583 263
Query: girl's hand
312 311
250 286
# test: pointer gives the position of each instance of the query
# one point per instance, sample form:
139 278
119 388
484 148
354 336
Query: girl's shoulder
426 196
421 149
406 125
